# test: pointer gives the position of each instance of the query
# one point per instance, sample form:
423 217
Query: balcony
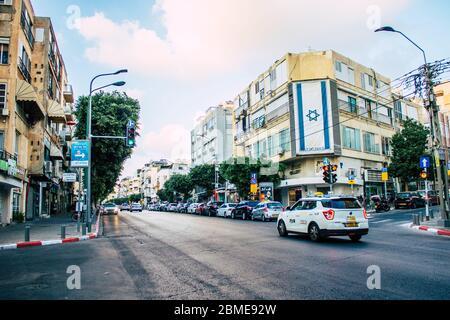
24 70
27 29
68 93
363 112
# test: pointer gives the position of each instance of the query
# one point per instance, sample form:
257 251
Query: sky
185 56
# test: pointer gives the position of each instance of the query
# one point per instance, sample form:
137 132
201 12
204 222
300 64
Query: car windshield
404 195
109 205
344 203
274 205
252 203
232 205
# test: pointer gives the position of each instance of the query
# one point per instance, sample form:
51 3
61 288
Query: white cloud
216 36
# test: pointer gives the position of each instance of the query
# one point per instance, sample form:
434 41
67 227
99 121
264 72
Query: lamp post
435 129
89 136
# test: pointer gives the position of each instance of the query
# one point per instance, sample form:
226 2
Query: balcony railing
24 69
27 29
7 156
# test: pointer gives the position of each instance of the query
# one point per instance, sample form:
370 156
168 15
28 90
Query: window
2 141
25 64
6 2
353 105
257 87
398 109
284 140
363 81
17 146
270 146
4 51
369 143
352 138
338 66
3 95
370 81
351 76
386 146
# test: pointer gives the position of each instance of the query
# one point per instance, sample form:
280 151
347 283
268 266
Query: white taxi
321 218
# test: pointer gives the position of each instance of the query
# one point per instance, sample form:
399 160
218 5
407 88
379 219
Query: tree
203 177
110 115
239 172
164 195
408 146
179 183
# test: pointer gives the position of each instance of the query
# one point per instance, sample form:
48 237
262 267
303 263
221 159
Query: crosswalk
379 221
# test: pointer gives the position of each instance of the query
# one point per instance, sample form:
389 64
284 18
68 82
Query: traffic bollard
78 226
63 232
89 227
432 214
416 220
83 229
27 233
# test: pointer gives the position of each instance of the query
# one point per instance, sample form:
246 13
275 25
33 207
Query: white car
192 207
225 210
267 211
324 217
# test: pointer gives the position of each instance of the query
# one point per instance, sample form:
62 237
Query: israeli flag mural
313 114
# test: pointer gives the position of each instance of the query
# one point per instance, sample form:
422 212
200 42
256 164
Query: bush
19 217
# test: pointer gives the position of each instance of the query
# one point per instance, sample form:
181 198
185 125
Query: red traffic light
325 168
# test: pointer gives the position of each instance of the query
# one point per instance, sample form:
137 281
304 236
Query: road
177 256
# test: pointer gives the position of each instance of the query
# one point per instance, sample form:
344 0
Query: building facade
212 138
36 107
317 105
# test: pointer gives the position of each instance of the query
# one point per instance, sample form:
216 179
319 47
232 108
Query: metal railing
27 29
7 156
24 70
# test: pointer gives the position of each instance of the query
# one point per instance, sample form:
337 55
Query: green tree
179 183
408 146
203 177
110 115
165 195
239 171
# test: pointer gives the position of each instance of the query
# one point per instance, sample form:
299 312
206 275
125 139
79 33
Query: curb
438 232
20 245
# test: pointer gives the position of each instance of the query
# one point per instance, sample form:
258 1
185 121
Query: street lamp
435 126
89 136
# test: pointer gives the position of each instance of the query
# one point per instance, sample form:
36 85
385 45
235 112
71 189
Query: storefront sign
70 177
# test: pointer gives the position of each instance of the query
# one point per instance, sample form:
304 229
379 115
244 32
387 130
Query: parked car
409 200
267 211
163 206
212 207
125 207
172 207
184 208
136 207
201 209
321 218
244 210
192 208
225 210
433 196
110 208
180 207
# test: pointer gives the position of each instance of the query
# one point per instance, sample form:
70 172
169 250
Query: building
212 137
35 103
316 105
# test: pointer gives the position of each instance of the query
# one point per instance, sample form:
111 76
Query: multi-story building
35 102
212 138
317 105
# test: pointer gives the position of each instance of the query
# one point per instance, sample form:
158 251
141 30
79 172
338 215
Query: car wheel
414 205
244 217
355 237
314 232
282 229
233 216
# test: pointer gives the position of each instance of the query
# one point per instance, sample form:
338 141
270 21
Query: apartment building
316 105
212 138
35 112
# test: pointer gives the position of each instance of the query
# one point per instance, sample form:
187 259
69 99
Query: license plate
351 225
402 204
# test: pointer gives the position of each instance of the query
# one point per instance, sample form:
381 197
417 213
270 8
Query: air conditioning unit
5 112
48 167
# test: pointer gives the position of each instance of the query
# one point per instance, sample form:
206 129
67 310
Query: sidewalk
432 227
41 230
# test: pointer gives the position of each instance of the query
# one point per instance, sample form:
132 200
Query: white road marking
376 222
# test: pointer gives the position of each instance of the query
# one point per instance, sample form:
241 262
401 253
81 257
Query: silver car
267 211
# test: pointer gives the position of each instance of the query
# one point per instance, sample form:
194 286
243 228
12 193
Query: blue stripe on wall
326 129
301 125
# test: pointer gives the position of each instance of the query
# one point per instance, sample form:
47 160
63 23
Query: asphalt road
178 256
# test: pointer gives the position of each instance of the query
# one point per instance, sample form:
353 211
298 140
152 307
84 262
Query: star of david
313 115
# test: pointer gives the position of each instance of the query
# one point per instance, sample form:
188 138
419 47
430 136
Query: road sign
254 188
69 177
266 188
326 161
80 154
425 162
254 178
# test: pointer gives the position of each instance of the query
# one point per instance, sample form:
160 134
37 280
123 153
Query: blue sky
187 55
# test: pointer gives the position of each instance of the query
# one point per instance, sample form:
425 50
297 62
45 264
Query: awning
56 153
26 93
56 112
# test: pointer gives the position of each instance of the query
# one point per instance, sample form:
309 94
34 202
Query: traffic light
131 134
334 168
326 174
423 175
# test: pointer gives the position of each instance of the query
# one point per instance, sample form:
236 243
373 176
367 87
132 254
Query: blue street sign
384 170
425 162
254 179
80 154
326 161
